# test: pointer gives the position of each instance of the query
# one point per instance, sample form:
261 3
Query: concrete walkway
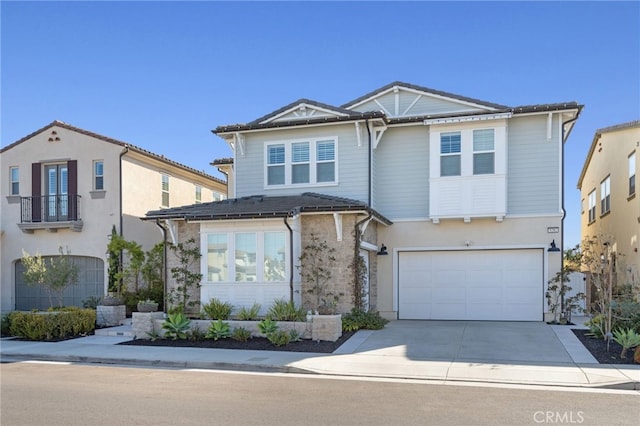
440 351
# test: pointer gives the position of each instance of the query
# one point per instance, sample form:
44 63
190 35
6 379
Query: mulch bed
254 344
598 348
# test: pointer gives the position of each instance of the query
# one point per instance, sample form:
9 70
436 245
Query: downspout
122 154
165 276
291 259
564 212
370 183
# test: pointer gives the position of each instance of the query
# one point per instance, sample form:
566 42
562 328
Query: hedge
52 325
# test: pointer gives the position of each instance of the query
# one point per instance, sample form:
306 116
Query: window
198 194
632 174
275 165
259 257
274 256
306 162
217 264
605 195
165 191
216 196
98 175
326 161
300 162
246 246
450 154
483 152
14 173
592 206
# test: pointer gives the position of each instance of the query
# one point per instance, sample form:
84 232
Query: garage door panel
471 285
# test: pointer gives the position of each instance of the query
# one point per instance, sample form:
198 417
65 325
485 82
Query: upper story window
483 152
14 175
450 149
165 191
198 194
98 175
605 195
592 206
632 174
216 196
305 162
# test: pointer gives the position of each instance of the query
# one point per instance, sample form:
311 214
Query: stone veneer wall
184 232
323 226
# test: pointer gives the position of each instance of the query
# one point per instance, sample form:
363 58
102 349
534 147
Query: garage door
502 285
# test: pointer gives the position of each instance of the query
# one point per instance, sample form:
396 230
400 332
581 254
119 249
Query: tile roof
131 147
265 207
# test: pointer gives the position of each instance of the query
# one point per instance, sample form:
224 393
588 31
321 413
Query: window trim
605 196
12 181
456 154
313 162
164 191
631 181
491 151
96 176
592 206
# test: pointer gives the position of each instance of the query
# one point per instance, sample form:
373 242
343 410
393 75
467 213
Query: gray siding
533 171
402 173
352 164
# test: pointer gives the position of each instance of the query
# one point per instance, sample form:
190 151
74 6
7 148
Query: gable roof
131 147
391 86
596 138
265 207
344 113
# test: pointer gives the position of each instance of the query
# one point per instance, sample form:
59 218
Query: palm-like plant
627 338
176 326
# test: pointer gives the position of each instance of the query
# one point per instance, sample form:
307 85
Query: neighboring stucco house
456 202
63 186
610 206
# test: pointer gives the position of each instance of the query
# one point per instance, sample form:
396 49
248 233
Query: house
454 205
67 187
610 207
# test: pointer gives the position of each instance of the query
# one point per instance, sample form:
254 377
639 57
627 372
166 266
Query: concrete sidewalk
402 350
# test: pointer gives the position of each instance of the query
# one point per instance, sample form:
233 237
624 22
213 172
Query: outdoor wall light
383 250
552 246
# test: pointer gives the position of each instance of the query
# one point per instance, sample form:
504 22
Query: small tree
152 273
316 265
558 287
55 274
124 273
188 255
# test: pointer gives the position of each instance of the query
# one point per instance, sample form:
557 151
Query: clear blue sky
162 75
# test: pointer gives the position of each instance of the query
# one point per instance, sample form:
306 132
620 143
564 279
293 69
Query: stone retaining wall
110 316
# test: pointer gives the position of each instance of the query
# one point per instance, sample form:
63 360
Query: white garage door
505 285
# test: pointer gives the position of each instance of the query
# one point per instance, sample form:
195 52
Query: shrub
249 314
626 314
358 319
196 335
281 310
294 336
217 309
4 326
241 334
176 326
52 325
636 355
279 337
218 330
627 338
91 303
596 325
267 326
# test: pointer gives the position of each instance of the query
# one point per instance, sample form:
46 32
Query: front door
57 186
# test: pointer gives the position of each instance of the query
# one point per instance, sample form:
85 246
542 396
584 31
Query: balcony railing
50 208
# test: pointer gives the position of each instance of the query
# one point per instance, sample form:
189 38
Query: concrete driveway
465 341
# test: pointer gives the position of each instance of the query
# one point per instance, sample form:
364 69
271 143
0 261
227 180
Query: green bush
91 303
217 309
176 326
358 319
4 326
249 314
241 334
52 325
218 330
627 338
283 310
196 335
626 314
267 326
279 337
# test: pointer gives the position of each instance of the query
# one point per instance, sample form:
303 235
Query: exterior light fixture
552 246
383 250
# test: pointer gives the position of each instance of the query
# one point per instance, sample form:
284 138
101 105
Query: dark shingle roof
265 207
